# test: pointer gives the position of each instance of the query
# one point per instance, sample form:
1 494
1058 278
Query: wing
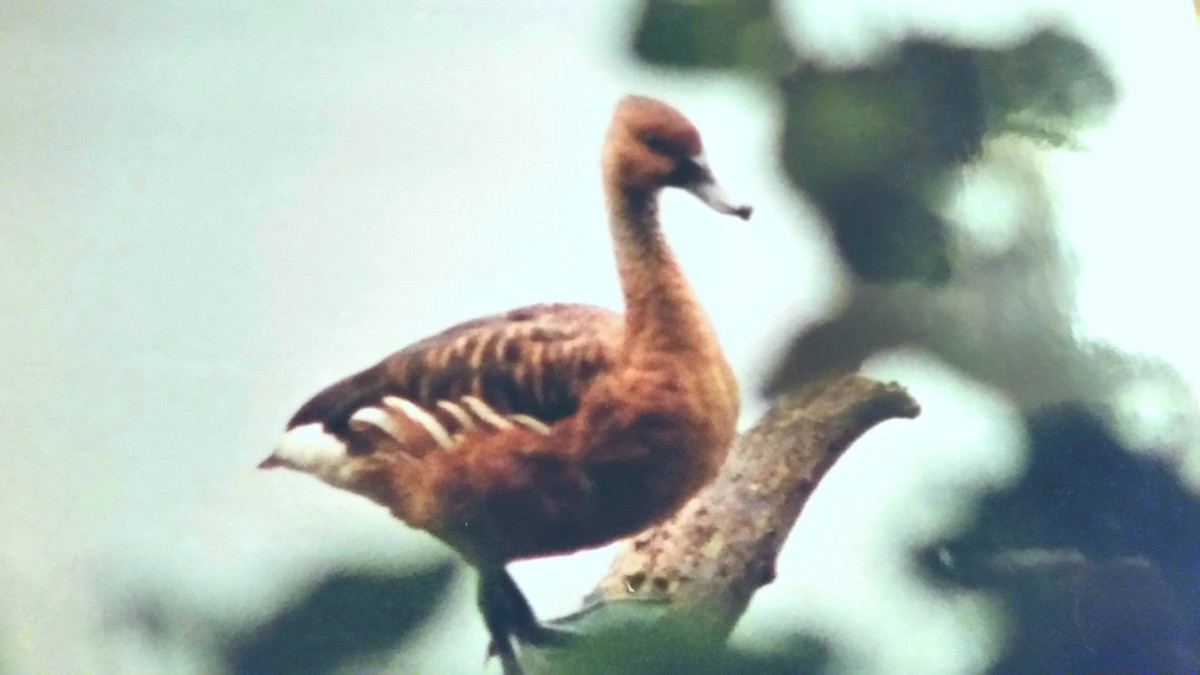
528 366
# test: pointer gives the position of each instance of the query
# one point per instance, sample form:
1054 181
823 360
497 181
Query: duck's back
527 366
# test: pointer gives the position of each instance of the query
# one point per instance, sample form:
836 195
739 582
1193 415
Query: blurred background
210 211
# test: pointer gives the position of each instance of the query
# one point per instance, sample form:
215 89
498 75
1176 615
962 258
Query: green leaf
705 33
346 616
647 637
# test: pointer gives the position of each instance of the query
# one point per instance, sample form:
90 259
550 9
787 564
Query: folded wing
527 367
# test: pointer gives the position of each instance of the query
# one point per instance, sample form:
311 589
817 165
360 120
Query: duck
550 428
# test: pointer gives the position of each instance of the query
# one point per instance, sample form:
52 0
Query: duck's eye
658 143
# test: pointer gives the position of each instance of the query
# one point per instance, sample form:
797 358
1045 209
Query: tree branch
711 557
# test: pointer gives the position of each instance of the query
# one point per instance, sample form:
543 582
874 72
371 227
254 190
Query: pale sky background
208 212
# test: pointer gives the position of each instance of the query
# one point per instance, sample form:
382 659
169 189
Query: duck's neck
662 315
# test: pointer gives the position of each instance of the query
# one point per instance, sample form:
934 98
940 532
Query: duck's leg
508 615
498 617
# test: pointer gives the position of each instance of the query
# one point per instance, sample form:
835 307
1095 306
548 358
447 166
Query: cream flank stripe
464 419
386 420
419 415
380 420
486 414
531 424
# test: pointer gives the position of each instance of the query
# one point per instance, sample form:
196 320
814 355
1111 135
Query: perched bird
554 427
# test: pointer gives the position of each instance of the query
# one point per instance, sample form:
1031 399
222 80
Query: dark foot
508 660
508 616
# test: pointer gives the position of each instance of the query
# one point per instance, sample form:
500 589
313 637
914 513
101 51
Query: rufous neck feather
661 312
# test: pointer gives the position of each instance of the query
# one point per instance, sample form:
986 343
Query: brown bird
554 427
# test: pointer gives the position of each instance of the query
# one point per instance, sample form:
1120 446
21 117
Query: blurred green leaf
876 145
915 111
708 34
345 617
647 638
1046 88
1095 554
1084 490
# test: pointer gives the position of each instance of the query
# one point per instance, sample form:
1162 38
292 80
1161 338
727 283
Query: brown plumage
554 427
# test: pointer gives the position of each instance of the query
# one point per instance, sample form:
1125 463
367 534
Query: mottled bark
710 558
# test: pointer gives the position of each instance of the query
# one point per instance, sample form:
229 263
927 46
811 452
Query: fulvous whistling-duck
550 428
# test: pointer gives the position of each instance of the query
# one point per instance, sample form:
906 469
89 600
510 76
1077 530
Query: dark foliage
1069 613
631 651
875 145
639 637
346 619
709 35
1084 490
1096 553
346 616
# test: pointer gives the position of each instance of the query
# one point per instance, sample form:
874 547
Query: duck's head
651 146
